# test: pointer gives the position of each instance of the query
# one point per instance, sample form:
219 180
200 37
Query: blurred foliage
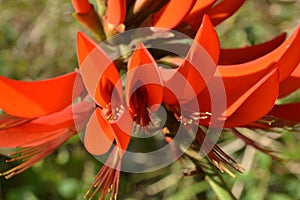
37 40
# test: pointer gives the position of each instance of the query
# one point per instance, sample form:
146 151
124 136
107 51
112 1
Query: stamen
7 121
216 155
115 113
107 179
32 155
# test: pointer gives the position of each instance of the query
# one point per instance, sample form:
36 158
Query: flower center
139 107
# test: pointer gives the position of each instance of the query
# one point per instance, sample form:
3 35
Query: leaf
190 191
222 192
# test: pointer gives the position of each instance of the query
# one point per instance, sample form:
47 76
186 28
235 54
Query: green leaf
221 190
190 192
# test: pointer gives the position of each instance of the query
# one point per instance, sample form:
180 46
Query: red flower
246 83
112 119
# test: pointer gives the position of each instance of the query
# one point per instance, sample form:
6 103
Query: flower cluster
109 106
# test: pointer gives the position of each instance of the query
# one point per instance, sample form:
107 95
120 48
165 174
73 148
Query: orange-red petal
30 99
143 71
255 102
246 107
43 129
172 13
287 52
81 6
99 135
116 11
207 37
197 12
290 57
190 78
98 71
246 54
223 10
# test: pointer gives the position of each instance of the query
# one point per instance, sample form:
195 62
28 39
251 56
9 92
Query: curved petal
197 12
246 107
290 84
246 54
36 98
287 112
191 77
166 18
98 71
99 135
223 10
143 72
291 56
116 11
81 6
255 103
45 128
287 52
207 37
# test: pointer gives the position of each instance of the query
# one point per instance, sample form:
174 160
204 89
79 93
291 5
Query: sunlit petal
207 37
98 71
191 77
255 103
81 6
223 10
99 135
43 129
197 12
116 11
143 72
166 18
30 99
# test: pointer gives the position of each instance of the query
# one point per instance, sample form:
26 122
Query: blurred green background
37 41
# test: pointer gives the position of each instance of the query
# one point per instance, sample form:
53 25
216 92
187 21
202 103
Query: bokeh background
37 41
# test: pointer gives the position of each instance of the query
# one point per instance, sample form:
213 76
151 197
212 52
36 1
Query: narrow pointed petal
207 37
45 128
81 6
197 12
98 71
99 135
291 83
223 10
143 71
290 57
116 11
287 112
191 77
246 54
36 98
255 103
166 18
